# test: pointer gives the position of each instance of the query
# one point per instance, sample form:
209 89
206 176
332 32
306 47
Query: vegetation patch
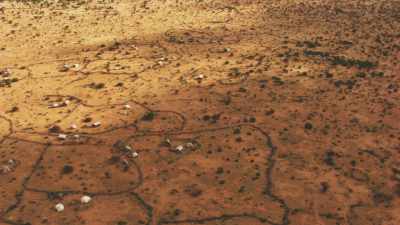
311 53
340 60
361 64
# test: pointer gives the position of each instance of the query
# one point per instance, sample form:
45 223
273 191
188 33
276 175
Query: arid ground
230 112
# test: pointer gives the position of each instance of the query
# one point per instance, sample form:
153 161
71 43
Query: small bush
149 116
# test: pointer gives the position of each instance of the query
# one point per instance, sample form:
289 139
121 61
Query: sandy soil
231 112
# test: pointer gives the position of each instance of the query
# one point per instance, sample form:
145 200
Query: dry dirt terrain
230 112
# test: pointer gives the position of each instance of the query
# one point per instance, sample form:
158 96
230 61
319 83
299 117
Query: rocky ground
231 112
